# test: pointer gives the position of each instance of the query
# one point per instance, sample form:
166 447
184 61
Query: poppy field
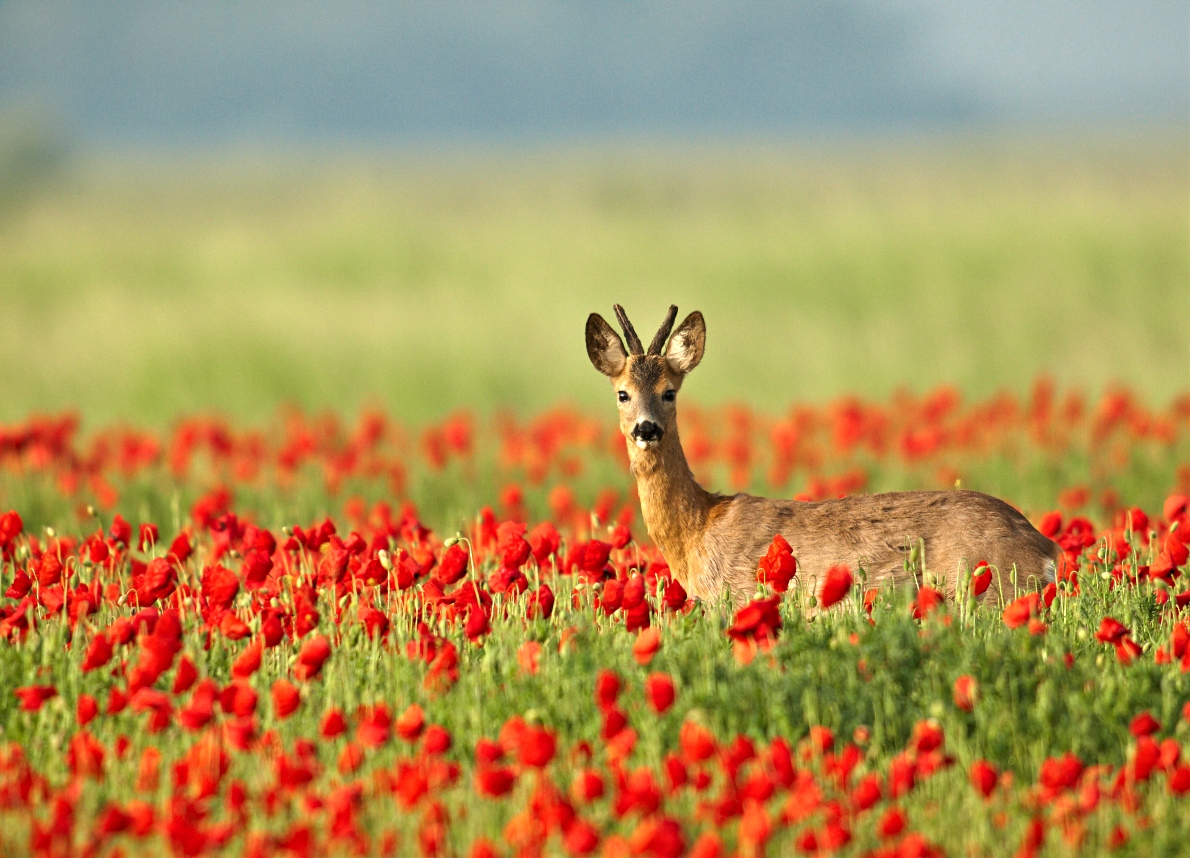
321 635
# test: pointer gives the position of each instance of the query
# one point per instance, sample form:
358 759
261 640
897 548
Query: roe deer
713 543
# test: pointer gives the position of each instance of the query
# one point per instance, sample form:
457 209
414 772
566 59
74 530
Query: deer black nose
646 430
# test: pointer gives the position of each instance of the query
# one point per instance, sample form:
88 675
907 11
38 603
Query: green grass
136 288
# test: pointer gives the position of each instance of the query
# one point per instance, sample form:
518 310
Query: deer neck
674 505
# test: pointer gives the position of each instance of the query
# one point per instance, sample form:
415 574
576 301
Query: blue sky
269 71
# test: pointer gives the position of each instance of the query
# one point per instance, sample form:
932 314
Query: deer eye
669 395
623 396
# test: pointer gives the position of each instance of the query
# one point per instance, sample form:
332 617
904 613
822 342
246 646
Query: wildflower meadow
318 536
332 635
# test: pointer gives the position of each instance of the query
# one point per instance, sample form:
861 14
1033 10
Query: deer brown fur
713 542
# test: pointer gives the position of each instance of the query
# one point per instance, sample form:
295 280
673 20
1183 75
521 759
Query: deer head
646 382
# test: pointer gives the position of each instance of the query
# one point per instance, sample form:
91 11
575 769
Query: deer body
713 543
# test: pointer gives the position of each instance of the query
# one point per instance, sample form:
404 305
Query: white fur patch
1049 574
644 445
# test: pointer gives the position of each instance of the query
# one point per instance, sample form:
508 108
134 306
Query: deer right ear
604 347
687 344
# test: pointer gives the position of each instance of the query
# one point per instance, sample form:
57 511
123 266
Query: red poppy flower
586 787
983 776
675 597
116 701
350 759
49 569
1020 610
866 793
697 742
1175 507
1059 773
1178 782
33 696
928 599
659 687
659 836
755 827
10 528
158 581
121 530
1127 650
835 586
758 621
286 698
86 709
611 597
581 837
494 781
184 676
199 711
180 549
544 540
1050 524
256 568
607 688
375 724
99 653
636 607
375 623
646 645
708 845
482 848
1175 547
511 543
527 655
1179 641
248 662
219 586
410 724
536 747
333 724
966 690
540 604
778 565
614 722
271 630
312 657
112 820
892 823
238 699
981 578
435 739
147 536
477 624
488 752
1111 631
594 558
820 741
232 627
1144 724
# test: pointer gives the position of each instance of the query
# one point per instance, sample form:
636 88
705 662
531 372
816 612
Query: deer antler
658 344
634 346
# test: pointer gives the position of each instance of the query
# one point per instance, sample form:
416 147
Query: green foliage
142 290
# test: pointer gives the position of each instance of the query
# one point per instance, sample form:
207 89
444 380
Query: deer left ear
604 347
687 344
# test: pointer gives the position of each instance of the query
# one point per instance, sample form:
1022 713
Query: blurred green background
138 287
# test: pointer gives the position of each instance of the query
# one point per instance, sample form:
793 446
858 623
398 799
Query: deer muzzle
646 433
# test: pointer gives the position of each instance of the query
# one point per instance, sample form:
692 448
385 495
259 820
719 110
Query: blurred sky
149 73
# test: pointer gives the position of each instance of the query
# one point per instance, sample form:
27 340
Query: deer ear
687 344
604 347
